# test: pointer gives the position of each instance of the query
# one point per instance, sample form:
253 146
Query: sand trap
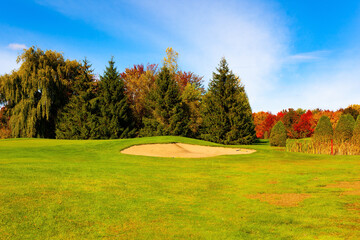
182 150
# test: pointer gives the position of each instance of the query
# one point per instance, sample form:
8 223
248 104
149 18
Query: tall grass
309 145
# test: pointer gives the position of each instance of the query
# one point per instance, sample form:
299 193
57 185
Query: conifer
323 131
344 128
227 116
356 132
278 135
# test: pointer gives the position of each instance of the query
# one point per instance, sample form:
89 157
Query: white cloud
7 61
16 46
308 56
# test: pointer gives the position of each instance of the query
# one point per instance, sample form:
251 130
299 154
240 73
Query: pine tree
166 113
227 116
76 119
116 120
323 131
278 135
344 128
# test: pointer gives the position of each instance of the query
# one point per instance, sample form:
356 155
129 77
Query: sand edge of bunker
183 150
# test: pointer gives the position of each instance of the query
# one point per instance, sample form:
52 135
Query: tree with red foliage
289 118
305 126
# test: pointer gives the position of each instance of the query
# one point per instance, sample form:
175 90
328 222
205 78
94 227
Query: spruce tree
323 131
356 132
344 128
166 112
76 119
278 135
116 120
227 116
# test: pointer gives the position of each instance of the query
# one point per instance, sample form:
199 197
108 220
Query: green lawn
63 189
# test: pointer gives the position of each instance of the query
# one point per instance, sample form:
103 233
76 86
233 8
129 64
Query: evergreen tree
116 120
356 132
227 116
278 135
344 128
166 114
323 131
76 119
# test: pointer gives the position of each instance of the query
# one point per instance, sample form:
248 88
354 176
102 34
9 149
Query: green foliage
278 135
344 128
167 114
352 111
77 120
116 120
356 133
36 92
227 116
323 131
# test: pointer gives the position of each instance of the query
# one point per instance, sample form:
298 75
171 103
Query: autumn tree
5 131
170 61
290 118
227 116
37 91
305 126
116 118
138 83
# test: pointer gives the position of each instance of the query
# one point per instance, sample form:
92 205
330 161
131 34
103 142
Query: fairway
73 189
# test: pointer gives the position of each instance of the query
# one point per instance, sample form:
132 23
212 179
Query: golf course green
88 189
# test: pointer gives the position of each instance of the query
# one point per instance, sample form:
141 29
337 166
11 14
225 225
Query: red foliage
305 127
264 121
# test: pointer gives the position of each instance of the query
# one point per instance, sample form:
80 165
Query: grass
63 189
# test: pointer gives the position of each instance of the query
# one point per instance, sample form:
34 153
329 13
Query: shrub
323 131
356 132
278 135
344 128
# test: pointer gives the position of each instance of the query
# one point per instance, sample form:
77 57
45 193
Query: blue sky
288 53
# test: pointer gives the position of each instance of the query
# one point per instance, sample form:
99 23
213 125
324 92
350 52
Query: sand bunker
182 150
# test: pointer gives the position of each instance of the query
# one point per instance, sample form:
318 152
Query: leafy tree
278 135
192 96
166 112
227 116
344 128
138 82
116 120
37 91
323 131
290 118
356 132
170 61
5 131
304 127
352 111
76 120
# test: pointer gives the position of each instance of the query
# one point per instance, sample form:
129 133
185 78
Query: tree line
53 97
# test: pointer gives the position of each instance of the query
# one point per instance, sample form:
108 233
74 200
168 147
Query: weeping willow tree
36 91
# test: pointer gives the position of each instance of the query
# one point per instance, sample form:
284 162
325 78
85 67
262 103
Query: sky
288 53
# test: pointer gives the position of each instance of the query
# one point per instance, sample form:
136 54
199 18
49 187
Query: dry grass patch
281 199
353 188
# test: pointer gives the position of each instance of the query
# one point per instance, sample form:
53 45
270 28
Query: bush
344 128
278 135
323 131
356 132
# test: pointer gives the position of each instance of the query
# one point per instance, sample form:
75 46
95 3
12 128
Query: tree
170 61
116 120
344 128
323 131
37 91
76 119
278 135
5 131
304 127
352 110
227 116
290 118
138 82
166 112
356 132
